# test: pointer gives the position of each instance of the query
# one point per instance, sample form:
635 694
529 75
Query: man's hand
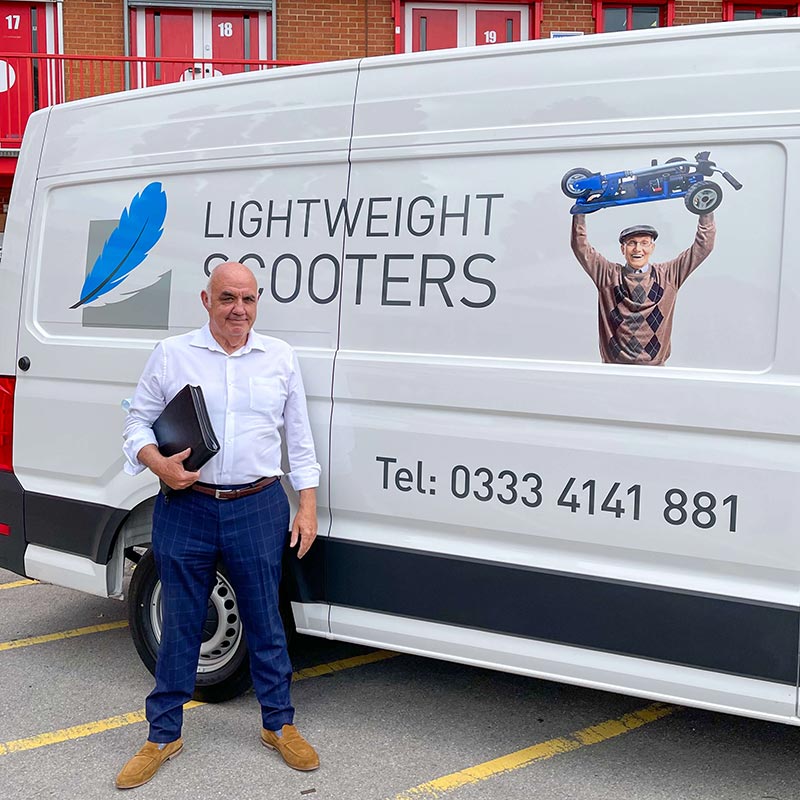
304 527
170 470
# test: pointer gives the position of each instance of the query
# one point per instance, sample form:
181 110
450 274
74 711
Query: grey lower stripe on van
728 635
74 526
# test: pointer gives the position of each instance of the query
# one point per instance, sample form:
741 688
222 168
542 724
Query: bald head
228 270
231 299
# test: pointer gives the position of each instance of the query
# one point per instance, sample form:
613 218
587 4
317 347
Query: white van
493 492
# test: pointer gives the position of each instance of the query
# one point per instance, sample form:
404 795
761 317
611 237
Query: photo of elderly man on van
636 300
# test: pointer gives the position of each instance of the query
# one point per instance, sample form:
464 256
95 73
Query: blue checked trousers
191 531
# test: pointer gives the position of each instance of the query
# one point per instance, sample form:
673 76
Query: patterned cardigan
636 308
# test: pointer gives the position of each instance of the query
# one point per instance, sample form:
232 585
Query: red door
434 28
234 35
495 27
18 87
208 42
169 32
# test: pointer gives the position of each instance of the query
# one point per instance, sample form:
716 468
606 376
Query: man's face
637 250
231 302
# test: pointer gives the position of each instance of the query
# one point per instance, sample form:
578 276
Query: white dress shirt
250 394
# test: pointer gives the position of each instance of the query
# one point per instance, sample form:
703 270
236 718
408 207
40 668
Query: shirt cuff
130 469
133 446
305 477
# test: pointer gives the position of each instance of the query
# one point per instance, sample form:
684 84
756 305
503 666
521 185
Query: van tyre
223 671
703 197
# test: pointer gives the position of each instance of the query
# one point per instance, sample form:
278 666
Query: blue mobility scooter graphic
675 178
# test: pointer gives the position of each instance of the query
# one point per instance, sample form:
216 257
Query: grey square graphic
147 309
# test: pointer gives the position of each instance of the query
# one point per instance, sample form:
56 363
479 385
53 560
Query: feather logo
139 229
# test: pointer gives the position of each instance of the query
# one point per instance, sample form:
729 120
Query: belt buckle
218 494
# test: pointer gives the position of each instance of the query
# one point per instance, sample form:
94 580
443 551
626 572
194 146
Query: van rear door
14 246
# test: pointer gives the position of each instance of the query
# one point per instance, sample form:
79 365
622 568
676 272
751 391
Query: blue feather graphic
140 227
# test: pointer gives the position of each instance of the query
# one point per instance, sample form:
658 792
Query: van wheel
568 182
703 197
223 671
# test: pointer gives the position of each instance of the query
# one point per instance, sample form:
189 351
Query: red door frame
144 15
399 14
666 11
729 7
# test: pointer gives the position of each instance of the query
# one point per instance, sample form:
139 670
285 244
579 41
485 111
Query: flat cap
646 230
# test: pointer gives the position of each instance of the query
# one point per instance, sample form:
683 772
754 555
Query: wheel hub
705 198
222 630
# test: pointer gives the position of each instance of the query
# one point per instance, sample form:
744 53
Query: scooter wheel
568 182
703 197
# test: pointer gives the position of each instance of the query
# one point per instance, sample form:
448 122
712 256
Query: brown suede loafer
293 748
144 765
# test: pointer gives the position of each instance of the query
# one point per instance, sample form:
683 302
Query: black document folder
185 423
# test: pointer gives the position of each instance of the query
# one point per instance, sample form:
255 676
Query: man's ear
206 301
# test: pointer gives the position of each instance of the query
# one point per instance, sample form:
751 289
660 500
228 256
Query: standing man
636 300
234 508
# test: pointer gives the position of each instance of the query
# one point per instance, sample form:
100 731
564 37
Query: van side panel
490 473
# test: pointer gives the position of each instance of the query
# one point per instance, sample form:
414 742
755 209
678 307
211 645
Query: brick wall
324 30
329 29
566 15
93 27
688 12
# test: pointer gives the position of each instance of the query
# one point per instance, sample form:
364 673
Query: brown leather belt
233 494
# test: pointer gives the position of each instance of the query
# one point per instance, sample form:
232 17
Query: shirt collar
203 337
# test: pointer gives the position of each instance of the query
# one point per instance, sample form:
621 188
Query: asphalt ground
387 726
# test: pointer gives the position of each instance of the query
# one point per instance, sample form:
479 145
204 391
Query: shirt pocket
268 396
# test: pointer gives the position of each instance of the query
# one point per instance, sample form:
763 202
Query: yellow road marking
345 663
78 731
538 752
15 584
133 717
54 637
